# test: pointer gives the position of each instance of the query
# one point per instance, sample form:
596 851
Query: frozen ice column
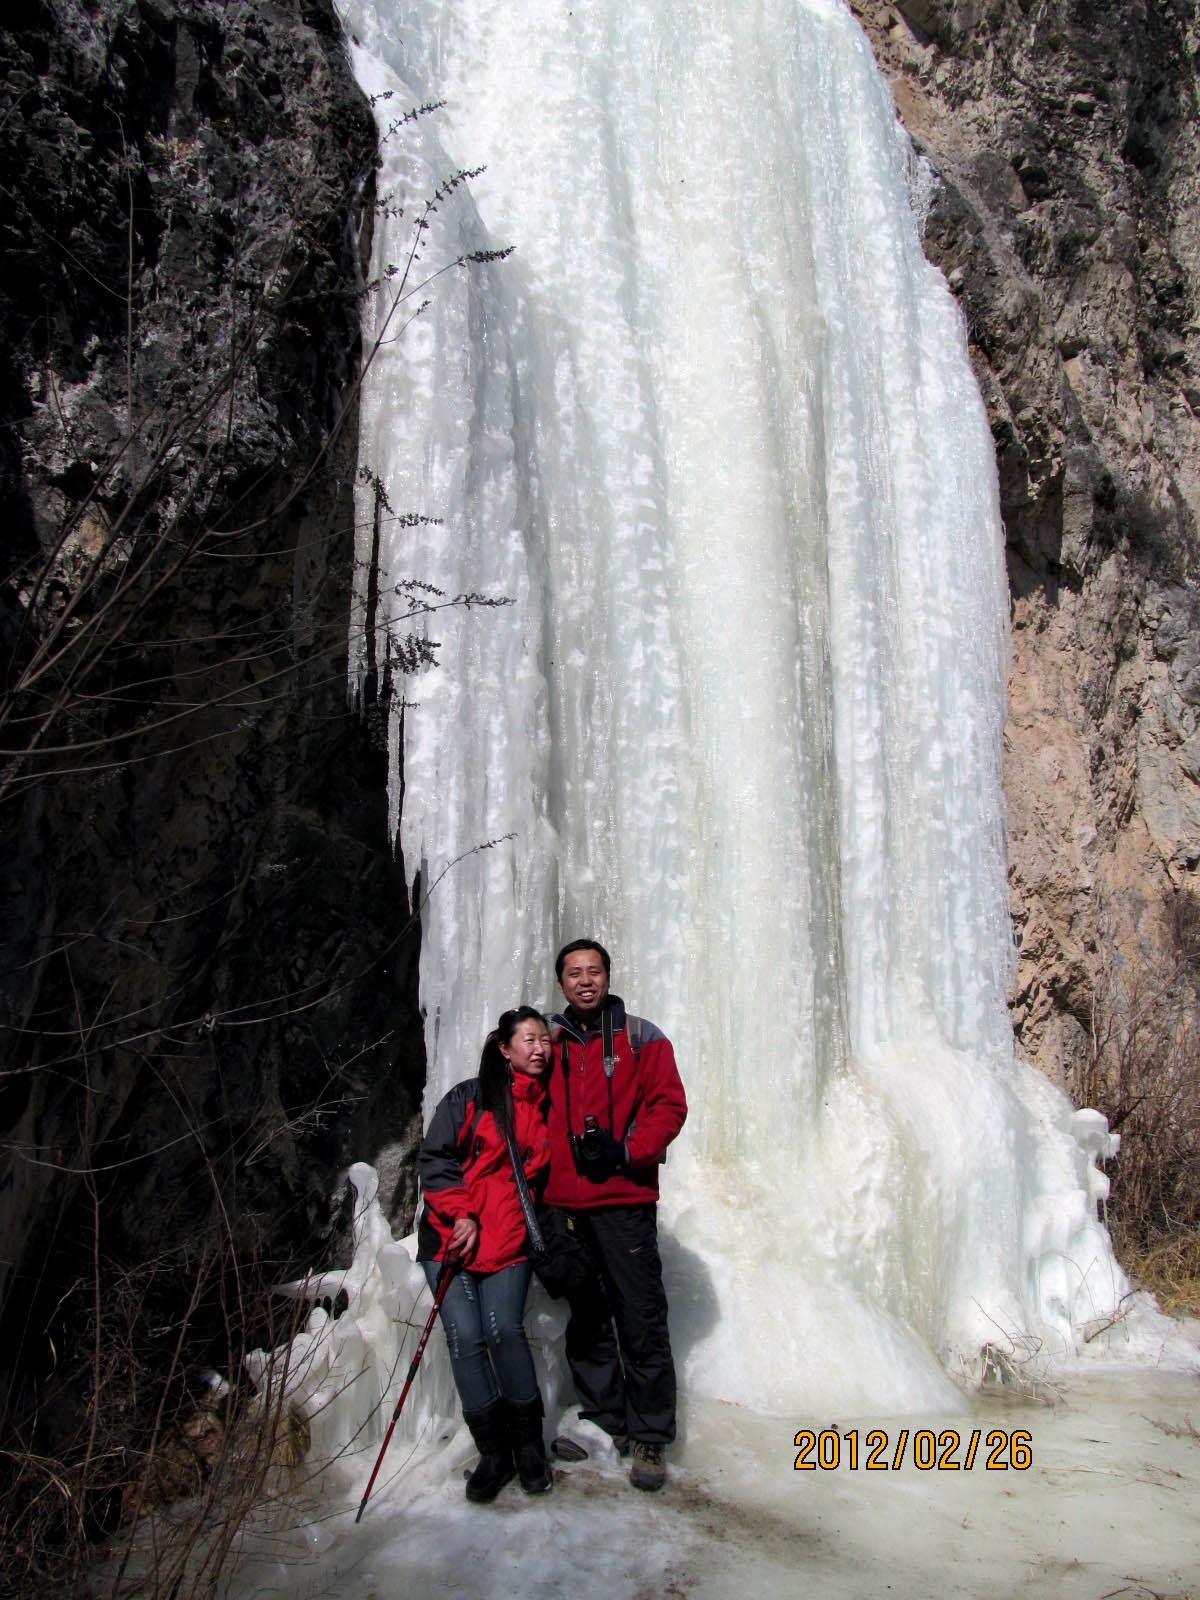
713 430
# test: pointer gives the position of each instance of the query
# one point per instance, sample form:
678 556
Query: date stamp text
877 1450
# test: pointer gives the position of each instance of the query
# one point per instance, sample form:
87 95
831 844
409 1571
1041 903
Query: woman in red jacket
473 1216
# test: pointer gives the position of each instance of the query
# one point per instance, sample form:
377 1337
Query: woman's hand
464 1237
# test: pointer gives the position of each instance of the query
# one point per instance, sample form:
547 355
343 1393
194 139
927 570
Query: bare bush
159 1431
1143 1072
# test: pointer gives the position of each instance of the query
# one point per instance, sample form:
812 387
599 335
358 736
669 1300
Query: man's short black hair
581 944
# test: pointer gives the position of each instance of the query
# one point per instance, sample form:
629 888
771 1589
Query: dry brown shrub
149 1493
1144 1074
1170 1269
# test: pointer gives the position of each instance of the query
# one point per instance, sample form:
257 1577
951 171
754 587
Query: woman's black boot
490 1431
529 1447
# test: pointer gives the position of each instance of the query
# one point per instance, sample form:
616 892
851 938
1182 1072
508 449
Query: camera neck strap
610 1066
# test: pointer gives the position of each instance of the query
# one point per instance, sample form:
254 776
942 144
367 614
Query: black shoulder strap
536 1242
633 1027
610 1059
606 1042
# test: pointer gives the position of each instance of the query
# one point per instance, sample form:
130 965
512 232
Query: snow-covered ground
1106 1507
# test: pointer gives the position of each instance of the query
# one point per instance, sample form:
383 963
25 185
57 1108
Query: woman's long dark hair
495 1074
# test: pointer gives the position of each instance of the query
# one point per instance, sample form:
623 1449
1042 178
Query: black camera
588 1145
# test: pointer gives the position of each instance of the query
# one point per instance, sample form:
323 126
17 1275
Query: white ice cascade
713 430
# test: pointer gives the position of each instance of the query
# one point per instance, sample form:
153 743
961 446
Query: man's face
584 981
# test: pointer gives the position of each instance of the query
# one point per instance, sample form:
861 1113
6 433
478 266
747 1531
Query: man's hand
604 1153
464 1237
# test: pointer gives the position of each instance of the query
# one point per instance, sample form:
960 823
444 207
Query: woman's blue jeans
484 1318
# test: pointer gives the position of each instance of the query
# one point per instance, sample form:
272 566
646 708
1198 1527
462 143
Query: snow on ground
1107 1508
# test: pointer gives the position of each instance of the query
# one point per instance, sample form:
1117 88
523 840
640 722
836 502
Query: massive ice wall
713 431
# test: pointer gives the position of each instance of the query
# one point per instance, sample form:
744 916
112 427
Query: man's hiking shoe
564 1448
649 1470
621 1444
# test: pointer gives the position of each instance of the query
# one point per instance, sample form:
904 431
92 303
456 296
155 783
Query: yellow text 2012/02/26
877 1450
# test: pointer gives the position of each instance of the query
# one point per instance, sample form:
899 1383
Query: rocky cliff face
1066 141
206 988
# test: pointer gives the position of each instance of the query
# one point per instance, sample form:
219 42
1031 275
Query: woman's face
528 1050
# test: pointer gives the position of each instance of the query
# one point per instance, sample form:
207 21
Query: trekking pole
443 1284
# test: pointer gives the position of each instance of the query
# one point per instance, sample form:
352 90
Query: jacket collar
574 1025
525 1087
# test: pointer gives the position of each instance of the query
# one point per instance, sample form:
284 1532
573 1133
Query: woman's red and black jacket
465 1171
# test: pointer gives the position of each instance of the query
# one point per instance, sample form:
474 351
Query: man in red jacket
616 1102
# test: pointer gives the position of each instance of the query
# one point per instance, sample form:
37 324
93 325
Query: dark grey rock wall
207 974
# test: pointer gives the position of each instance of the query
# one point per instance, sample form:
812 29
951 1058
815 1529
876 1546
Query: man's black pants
617 1340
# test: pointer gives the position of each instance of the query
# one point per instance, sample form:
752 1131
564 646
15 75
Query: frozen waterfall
713 431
